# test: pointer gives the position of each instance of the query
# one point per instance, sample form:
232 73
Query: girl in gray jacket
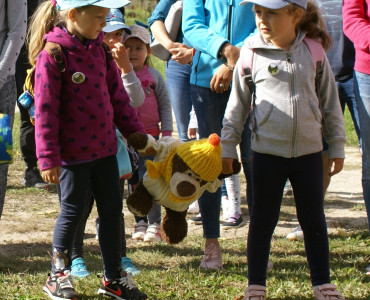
291 108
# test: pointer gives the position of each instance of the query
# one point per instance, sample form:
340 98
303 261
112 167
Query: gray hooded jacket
288 118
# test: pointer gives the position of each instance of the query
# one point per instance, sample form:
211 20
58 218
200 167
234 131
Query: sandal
327 292
255 292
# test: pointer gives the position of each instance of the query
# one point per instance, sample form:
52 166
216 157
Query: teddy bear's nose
185 189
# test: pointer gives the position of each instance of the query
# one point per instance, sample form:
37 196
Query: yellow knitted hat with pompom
203 156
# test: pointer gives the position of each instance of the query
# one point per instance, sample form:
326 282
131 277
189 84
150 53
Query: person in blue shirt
216 29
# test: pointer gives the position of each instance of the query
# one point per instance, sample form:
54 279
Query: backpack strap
246 62
55 51
318 56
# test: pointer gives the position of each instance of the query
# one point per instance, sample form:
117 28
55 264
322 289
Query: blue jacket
160 13
207 26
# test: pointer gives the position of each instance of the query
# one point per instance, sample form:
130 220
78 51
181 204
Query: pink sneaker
212 258
255 292
327 292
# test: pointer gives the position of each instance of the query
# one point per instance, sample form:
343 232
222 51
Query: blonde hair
312 22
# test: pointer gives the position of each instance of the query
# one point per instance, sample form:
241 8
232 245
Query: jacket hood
62 37
257 41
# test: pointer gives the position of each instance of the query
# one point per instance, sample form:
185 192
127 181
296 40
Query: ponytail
313 24
42 21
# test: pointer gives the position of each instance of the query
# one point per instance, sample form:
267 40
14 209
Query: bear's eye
189 174
198 179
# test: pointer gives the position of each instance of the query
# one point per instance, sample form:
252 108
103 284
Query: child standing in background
77 110
155 110
290 115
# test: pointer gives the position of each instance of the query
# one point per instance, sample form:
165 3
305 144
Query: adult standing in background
356 25
13 23
177 67
32 177
216 29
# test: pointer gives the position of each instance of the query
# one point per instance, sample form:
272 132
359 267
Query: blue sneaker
78 268
128 266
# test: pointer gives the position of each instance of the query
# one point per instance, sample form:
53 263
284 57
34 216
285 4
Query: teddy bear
178 175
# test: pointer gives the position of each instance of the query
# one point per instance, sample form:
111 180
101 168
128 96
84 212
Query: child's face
277 25
87 23
138 52
110 38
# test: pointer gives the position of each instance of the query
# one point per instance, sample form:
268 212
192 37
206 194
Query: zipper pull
288 58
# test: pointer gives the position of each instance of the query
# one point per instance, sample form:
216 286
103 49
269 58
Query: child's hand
192 133
51 175
121 56
227 165
338 165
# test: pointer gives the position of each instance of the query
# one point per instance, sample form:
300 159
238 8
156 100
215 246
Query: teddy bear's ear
153 168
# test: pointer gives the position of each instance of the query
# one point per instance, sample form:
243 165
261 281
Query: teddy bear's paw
174 227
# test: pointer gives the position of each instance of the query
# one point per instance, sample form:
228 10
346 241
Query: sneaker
32 178
197 220
78 268
128 266
153 233
194 208
295 235
140 230
121 288
255 292
59 286
233 221
212 258
327 292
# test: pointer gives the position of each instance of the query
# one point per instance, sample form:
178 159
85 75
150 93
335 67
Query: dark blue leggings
269 174
101 176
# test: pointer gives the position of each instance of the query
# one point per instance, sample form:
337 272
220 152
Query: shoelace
65 282
126 281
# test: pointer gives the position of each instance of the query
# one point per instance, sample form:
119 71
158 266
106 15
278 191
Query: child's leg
105 186
73 186
307 183
154 215
233 192
267 171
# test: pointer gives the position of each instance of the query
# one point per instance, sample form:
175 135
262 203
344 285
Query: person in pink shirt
356 26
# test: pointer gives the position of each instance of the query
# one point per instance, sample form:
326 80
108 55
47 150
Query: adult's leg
362 94
209 108
306 177
7 106
267 171
178 84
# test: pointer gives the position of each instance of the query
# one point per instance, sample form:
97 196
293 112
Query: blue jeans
210 109
101 176
346 96
362 94
178 84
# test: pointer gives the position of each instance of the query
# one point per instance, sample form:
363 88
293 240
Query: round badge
78 77
273 69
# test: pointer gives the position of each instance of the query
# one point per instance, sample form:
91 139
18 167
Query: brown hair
312 22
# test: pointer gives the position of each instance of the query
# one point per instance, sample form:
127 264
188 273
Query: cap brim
272 4
114 27
111 3
138 37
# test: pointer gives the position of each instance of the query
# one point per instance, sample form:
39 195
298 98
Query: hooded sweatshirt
289 119
75 120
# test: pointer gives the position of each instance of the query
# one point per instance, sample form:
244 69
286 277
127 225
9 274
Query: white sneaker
140 230
153 233
295 235
194 208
